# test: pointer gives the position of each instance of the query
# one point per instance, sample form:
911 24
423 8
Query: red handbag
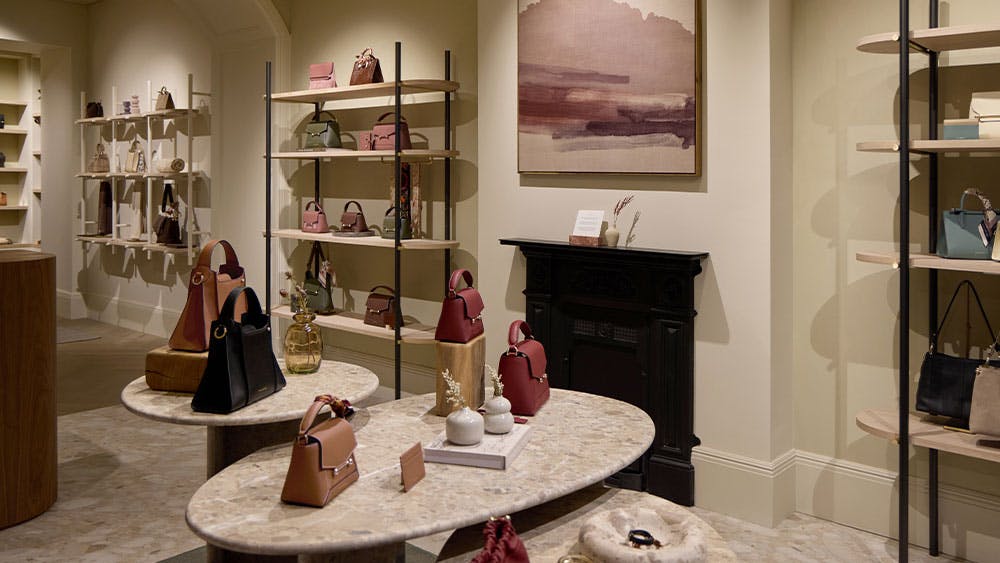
462 311
384 134
503 545
525 383
314 221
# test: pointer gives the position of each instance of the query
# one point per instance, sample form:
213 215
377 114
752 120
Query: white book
496 451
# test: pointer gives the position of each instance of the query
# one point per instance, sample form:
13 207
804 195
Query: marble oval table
272 420
577 440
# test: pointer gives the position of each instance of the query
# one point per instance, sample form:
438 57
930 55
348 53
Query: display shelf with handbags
352 223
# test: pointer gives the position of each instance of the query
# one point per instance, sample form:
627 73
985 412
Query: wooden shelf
12 170
411 333
935 146
20 245
96 239
938 39
13 131
93 121
160 114
406 155
13 207
926 433
133 176
169 113
15 103
36 191
361 91
375 241
932 262
142 245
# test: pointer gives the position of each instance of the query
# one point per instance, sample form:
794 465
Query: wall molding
133 315
70 304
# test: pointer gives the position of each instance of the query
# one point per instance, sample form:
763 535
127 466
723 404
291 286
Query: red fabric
502 544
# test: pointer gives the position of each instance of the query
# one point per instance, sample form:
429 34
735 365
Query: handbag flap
473 302
336 442
317 128
349 218
378 303
535 354
321 71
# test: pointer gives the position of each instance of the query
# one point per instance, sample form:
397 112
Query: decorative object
135 105
465 362
618 92
384 134
323 134
173 370
99 164
612 234
164 100
314 221
630 237
303 340
411 466
322 75
352 223
380 308
589 228
322 464
463 427
502 544
961 235
3 199
961 129
241 366
461 317
166 165
523 368
405 200
643 535
498 419
367 69
94 109
126 107
207 291
168 224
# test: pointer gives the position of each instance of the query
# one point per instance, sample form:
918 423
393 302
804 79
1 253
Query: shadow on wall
711 324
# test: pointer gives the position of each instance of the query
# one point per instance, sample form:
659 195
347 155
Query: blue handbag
967 234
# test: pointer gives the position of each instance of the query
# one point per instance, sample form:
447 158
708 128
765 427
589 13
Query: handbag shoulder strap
987 206
387 114
982 310
456 277
253 304
392 292
515 328
348 204
316 257
205 258
168 197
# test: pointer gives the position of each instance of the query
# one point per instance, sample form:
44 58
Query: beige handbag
100 163
164 100
135 160
984 415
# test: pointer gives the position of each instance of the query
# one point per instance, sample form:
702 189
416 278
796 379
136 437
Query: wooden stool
466 363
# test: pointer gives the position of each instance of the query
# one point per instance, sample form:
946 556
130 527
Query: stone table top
577 440
346 381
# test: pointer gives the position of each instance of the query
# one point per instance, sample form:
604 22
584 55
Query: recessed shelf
13 207
932 262
405 155
924 433
952 38
12 170
13 131
411 333
380 89
15 103
933 146
375 241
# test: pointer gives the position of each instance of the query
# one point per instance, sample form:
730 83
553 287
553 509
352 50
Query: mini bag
367 69
380 307
384 134
3 160
461 312
314 221
322 464
100 163
389 225
164 100
525 383
94 109
321 75
3 199
323 134
352 223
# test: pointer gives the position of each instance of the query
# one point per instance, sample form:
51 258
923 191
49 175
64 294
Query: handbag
105 199
164 100
323 134
367 69
207 291
3 199
168 224
384 134
321 75
389 225
94 109
967 234
984 413
352 223
318 284
3 160
132 159
322 464
945 386
100 164
241 366
502 544
525 383
314 221
380 309
461 312
171 370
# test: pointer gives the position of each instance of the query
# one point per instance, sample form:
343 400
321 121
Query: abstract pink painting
608 86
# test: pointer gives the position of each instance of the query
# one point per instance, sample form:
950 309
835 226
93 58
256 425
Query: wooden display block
466 363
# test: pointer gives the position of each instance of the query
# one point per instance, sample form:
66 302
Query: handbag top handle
313 202
387 114
163 90
972 288
987 206
390 211
253 304
348 204
316 257
205 258
100 149
168 197
515 328
392 292
456 277
135 145
316 116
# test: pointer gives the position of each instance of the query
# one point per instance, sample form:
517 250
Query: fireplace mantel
619 322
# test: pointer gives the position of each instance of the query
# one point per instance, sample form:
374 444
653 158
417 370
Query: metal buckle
197 278
216 334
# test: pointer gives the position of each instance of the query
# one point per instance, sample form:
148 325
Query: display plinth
466 363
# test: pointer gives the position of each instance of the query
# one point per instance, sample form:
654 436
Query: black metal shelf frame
397 170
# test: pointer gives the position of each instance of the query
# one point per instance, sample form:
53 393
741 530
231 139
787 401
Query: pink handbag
321 76
314 221
384 134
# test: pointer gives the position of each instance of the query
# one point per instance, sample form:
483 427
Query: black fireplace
619 322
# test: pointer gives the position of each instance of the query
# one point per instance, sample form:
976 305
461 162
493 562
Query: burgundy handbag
352 223
321 75
462 311
384 134
525 383
502 544
367 69
314 221
380 308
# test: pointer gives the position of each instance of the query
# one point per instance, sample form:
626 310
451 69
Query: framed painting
608 86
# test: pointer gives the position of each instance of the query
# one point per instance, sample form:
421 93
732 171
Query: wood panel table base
391 553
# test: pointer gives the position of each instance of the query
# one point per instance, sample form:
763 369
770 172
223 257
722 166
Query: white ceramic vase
464 427
611 235
498 419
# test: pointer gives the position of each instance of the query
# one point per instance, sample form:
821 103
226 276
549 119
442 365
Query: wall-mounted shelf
125 118
36 154
884 423
382 89
376 241
133 175
13 207
20 245
36 191
93 121
932 262
13 131
410 155
142 245
938 39
935 146
413 333
12 170
14 103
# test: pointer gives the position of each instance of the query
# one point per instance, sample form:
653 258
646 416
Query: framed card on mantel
608 86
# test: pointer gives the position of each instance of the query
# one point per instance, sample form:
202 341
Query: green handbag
389 226
318 297
967 234
323 134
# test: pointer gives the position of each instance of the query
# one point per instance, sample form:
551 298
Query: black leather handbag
241 366
945 387
168 225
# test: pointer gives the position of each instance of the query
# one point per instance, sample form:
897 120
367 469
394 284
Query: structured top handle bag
168 225
207 291
323 134
461 312
322 464
164 100
367 69
523 367
967 234
380 308
318 283
322 75
314 221
384 134
100 163
352 223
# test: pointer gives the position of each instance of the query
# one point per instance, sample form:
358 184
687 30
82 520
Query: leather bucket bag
323 134
367 69
461 312
207 291
314 221
380 308
94 109
322 75
384 134
105 200
322 464
241 366
525 383
352 223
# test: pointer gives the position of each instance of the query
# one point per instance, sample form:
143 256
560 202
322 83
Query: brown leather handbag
367 69
322 464
525 382
207 292
380 308
384 134
352 223
461 313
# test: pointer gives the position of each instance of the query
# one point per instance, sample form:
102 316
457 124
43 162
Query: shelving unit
411 333
899 424
20 138
142 121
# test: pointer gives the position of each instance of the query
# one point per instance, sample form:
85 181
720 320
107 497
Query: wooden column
27 385
466 363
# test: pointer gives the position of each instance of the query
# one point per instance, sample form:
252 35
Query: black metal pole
316 195
397 162
904 278
932 216
447 171
267 185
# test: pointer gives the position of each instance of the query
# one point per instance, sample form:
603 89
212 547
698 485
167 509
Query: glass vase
303 344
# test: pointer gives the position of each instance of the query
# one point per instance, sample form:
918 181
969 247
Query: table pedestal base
229 444
392 553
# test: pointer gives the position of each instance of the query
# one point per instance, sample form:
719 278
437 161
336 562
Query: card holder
411 464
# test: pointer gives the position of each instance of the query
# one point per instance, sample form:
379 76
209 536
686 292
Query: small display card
588 223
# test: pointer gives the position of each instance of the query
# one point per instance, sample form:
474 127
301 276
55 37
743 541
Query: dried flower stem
620 206
497 384
454 392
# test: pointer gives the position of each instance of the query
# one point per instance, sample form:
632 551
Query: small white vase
464 427
498 419
611 235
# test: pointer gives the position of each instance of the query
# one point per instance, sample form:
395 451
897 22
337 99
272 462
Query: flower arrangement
299 293
495 378
454 392
619 207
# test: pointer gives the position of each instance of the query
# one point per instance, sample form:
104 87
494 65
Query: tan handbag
172 370
3 199
207 292
132 160
164 100
322 464
984 414
100 164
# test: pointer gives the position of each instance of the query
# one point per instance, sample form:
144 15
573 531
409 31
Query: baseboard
70 305
743 487
133 315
